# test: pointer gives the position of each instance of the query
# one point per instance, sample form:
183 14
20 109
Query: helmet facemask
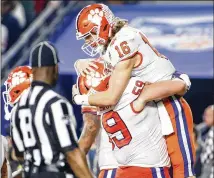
94 46
7 103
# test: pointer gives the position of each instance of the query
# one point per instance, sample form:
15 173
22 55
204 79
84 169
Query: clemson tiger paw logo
96 16
17 78
94 80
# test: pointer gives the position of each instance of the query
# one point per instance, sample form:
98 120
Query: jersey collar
40 83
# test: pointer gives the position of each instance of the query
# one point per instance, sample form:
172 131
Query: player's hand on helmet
77 98
85 67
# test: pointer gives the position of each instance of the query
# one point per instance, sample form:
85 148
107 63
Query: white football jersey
136 137
106 159
130 41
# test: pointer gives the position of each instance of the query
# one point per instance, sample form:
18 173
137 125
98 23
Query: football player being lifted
128 53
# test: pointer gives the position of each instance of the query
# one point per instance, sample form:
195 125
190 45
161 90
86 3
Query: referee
43 123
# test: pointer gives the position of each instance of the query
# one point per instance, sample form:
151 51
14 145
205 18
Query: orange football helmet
97 19
17 82
92 84
95 83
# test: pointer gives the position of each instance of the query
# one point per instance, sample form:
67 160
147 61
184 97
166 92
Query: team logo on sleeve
108 68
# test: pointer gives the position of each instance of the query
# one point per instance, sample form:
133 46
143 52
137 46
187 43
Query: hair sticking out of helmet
108 14
96 82
95 22
17 82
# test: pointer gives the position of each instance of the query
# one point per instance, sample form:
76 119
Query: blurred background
181 30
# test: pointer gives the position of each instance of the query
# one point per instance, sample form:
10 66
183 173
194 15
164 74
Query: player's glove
77 98
85 66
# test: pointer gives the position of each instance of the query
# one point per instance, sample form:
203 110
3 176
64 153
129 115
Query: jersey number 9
117 129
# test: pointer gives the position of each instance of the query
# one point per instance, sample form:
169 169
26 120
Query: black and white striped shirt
43 126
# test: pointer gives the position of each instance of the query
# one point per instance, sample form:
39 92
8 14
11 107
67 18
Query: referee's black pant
47 172
48 175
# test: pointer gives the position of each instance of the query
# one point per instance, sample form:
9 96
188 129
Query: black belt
45 168
48 168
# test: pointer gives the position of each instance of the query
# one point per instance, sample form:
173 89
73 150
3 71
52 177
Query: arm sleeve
64 123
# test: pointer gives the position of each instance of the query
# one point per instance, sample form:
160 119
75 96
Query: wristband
186 80
81 99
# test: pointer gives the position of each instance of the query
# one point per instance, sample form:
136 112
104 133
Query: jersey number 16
123 49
